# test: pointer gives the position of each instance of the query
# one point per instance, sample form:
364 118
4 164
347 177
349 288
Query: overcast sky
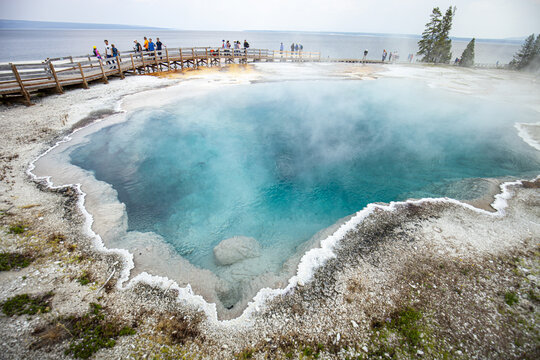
474 18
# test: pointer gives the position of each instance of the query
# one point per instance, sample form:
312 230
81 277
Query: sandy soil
417 279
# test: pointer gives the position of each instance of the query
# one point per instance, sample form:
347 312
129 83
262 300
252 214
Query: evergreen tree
436 44
525 55
467 58
534 64
429 36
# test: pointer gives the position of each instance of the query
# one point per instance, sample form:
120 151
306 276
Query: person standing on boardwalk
96 53
145 45
384 53
114 54
151 45
107 51
292 47
137 47
281 49
159 45
365 55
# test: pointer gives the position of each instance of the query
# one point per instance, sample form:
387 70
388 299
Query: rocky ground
425 280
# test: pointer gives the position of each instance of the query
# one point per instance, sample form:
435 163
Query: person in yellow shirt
145 44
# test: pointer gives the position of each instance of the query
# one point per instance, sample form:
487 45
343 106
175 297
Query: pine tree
429 36
534 64
436 44
525 55
467 58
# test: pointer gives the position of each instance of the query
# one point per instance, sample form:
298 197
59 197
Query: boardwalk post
195 62
85 84
58 86
103 72
143 64
181 59
132 63
155 61
207 59
120 72
23 90
168 62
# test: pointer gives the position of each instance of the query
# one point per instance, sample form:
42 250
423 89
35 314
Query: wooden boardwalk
24 79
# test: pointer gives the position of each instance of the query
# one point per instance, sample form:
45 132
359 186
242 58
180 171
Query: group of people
394 56
294 47
237 44
148 45
109 51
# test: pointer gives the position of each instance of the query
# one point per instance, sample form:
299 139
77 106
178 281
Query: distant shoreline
51 25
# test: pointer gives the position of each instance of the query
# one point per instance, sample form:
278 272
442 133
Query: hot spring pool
274 163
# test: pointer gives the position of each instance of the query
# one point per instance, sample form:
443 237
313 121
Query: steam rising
277 163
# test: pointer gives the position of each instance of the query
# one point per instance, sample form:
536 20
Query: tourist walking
96 53
107 51
281 49
384 54
159 45
137 47
151 45
114 54
365 55
145 44
292 47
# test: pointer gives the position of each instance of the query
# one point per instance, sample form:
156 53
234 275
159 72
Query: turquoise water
280 161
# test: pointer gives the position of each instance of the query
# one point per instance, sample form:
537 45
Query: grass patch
245 354
9 261
179 329
85 278
93 332
511 298
56 238
406 322
26 304
312 353
17 229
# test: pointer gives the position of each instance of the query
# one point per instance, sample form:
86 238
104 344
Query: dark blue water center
280 161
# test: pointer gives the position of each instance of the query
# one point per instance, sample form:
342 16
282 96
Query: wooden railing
24 78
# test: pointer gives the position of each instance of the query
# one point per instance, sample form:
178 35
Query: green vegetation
245 354
528 57
92 332
510 298
17 229
312 353
435 45
84 279
467 57
26 304
406 322
178 329
403 334
9 261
